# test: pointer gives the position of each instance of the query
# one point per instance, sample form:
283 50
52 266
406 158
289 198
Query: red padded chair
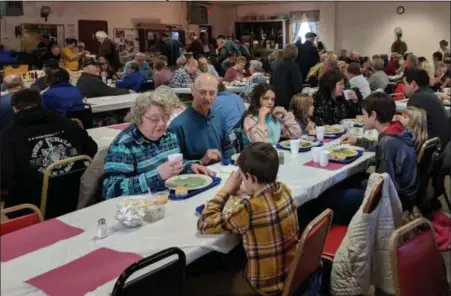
9 226
308 252
417 266
338 232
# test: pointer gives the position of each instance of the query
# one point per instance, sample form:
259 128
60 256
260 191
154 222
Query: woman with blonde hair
137 160
314 75
415 120
302 107
172 101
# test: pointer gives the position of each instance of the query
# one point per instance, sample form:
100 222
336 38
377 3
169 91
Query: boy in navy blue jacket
133 80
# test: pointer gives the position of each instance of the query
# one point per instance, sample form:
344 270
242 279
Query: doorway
86 33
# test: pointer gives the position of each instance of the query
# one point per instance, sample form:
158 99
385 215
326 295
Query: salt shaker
281 158
101 229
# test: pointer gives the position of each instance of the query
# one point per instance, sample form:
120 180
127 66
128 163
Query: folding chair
417 265
168 279
82 112
22 221
60 192
308 253
338 232
427 158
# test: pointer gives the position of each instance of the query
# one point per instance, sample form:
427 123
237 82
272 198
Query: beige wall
117 14
363 26
368 27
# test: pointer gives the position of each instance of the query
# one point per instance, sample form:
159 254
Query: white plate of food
333 129
190 181
302 144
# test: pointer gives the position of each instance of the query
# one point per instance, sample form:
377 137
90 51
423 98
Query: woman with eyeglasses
106 69
137 160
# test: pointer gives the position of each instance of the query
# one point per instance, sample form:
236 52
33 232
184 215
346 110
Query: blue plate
216 182
334 136
349 159
200 209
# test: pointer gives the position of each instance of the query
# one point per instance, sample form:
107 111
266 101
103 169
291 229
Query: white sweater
363 257
362 84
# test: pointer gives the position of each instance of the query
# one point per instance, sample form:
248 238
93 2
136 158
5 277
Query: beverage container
320 130
324 158
294 147
316 152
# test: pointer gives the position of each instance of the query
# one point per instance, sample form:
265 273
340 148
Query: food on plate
302 144
358 121
188 182
162 198
181 191
341 153
333 129
446 102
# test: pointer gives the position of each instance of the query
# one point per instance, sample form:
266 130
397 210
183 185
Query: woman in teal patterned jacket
138 157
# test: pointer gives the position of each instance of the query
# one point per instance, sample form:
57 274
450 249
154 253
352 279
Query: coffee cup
176 156
294 147
316 152
320 130
324 158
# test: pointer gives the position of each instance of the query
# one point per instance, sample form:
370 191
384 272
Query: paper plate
190 181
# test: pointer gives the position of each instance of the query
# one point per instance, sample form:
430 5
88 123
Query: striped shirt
132 161
269 228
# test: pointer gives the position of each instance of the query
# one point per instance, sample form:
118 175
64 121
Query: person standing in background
444 47
108 50
70 58
225 49
196 47
307 54
204 38
172 49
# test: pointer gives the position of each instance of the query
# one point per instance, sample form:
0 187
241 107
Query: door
86 33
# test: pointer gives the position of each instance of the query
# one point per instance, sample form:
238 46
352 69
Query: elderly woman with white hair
108 50
257 77
144 68
137 160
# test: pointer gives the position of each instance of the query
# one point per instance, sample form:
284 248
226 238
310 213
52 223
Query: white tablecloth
105 104
103 136
178 228
111 103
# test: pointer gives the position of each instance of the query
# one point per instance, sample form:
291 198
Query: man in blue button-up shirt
144 68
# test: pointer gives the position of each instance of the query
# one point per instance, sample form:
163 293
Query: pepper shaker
281 158
101 229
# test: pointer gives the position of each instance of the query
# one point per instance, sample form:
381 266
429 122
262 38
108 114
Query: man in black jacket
92 86
423 97
307 54
36 138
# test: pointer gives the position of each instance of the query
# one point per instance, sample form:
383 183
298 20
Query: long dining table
112 103
178 228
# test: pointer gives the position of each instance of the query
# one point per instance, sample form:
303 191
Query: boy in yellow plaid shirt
267 221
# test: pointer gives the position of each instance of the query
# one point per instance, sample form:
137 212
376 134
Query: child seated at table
415 120
132 80
265 123
302 107
395 155
267 222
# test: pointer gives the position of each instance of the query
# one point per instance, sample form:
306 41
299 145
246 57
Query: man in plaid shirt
184 76
267 221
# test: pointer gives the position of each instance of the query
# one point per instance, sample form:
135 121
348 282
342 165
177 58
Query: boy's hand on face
233 183
350 140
